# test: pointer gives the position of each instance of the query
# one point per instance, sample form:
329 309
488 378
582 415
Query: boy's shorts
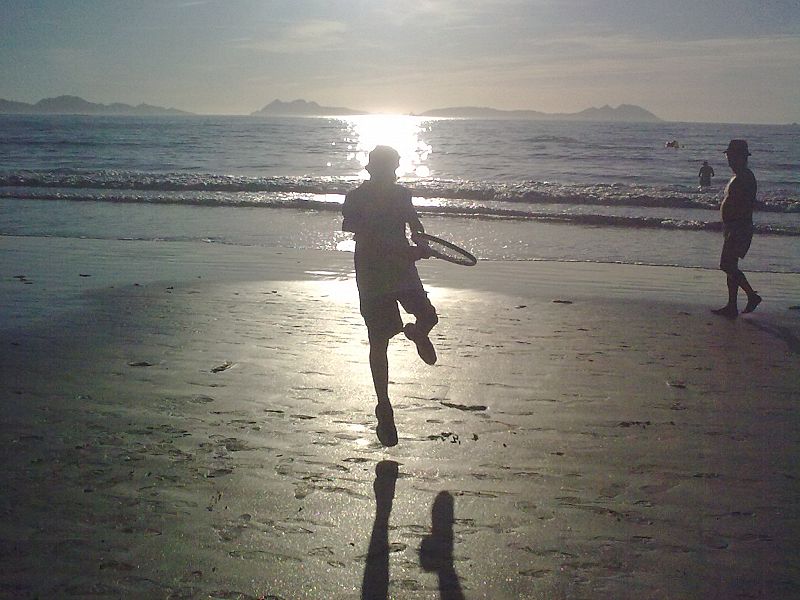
382 314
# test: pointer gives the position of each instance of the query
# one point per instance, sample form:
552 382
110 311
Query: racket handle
421 251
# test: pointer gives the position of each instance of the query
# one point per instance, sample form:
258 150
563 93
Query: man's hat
738 147
383 158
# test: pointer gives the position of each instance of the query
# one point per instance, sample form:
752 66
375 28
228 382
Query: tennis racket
443 249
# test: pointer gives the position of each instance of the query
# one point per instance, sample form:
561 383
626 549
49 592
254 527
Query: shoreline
209 431
488 239
54 273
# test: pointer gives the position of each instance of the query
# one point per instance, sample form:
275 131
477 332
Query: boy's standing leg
379 365
382 317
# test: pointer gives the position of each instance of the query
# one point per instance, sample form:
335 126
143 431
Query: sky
704 60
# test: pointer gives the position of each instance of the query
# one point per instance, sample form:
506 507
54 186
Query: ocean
506 190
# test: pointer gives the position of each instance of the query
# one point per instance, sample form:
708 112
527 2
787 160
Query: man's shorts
382 314
737 242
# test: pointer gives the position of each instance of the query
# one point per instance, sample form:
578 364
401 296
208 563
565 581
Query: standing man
737 227
705 174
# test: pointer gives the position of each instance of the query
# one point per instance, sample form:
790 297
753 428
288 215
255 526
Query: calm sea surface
512 190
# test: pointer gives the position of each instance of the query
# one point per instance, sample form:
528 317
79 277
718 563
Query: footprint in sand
235 445
200 399
464 407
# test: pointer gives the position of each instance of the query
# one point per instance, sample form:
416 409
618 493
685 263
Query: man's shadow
783 334
436 550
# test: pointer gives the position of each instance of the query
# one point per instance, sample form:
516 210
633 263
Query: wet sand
195 421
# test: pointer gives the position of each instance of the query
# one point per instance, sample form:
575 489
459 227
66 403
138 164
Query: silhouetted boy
377 212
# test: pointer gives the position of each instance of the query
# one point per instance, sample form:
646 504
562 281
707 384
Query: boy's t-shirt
378 213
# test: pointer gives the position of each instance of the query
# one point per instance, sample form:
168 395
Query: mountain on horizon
624 112
302 108
75 105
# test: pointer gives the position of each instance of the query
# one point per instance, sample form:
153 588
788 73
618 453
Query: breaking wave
606 205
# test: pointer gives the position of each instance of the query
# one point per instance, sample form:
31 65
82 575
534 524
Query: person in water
737 227
705 174
378 212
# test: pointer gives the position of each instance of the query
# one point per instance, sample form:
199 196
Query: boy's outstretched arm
421 250
415 225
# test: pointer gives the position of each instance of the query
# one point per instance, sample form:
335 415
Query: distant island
301 108
624 112
74 105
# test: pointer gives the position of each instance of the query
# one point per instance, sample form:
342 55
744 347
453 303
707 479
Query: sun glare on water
404 133
401 132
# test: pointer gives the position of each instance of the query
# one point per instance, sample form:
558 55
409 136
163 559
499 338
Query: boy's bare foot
752 302
727 311
386 430
423 343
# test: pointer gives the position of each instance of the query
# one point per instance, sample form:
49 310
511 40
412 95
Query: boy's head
383 162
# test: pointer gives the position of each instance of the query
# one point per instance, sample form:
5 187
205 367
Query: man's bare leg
753 299
735 280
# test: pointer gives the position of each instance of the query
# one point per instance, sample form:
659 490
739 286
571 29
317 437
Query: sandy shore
195 421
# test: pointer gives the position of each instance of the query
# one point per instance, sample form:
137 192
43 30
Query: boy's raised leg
423 343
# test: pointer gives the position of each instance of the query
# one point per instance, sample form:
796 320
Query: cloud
594 55
306 37
437 13
193 3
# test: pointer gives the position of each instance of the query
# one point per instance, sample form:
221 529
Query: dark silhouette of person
436 550
375 584
737 226
705 174
378 212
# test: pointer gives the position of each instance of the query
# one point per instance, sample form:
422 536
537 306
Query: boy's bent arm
350 217
349 224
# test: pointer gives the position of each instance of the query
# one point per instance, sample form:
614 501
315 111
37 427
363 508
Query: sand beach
188 420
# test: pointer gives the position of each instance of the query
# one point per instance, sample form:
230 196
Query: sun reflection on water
401 132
